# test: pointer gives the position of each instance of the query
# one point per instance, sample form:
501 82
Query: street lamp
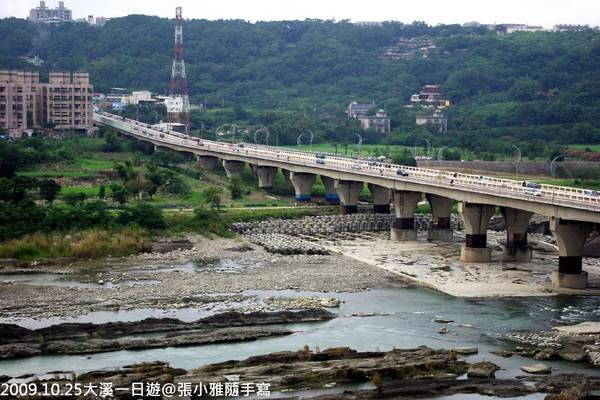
428 147
311 138
518 160
360 140
201 129
261 129
440 154
298 140
552 165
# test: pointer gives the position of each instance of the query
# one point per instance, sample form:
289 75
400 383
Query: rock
582 389
547 353
571 353
594 357
369 314
484 369
443 330
536 369
465 350
330 302
166 247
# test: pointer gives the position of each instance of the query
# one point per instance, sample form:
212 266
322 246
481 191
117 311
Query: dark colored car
402 172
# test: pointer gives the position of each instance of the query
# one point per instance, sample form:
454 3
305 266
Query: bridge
573 213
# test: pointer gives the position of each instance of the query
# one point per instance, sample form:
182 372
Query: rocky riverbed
213 286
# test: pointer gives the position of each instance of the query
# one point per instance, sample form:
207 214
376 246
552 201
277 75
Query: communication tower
178 104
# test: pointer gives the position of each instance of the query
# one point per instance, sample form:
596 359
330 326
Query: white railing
506 188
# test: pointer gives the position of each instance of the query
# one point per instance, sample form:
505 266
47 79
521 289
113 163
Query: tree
112 142
212 195
49 190
235 187
74 199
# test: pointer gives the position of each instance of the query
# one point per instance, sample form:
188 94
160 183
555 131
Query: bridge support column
476 218
381 198
348 192
405 204
331 194
440 228
303 183
266 176
288 181
570 236
206 162
233 167
516 247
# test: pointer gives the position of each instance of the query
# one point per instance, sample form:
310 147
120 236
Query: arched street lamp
440 154
256 134
359 144
298 140
311 138
552 165
201 129
428 147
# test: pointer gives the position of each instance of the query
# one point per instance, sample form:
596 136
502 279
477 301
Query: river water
408 320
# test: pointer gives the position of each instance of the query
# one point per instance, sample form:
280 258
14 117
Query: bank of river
380 310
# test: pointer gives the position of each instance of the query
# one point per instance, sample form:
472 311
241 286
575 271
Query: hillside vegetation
539 91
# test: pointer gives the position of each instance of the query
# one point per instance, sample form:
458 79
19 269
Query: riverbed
381 309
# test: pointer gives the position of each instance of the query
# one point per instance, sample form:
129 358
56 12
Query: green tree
112 142
213 196
49 190
74 199
235 187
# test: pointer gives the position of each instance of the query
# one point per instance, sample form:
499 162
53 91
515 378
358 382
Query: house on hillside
356 110
437 118
380 121
430 96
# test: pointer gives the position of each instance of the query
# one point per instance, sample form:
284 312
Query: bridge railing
557 195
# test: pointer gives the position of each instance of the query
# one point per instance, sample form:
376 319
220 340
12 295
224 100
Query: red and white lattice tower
178 105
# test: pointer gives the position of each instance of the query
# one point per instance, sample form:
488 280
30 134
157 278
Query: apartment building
51 15
26 103
380 121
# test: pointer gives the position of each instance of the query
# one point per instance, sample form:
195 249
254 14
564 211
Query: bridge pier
233 167
381 198
288 181
405 204
516 248
440 228
266 176
207 162
331 194
303 183
348 192
570 236
476 218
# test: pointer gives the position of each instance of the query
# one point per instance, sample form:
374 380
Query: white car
533 192
356 166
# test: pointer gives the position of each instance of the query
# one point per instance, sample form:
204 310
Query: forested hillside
541 90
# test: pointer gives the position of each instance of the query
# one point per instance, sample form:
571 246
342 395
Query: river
407 318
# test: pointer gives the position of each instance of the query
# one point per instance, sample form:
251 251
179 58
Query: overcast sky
546 13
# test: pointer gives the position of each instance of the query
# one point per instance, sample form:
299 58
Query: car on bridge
534 185
533 192
402 172
356 166
320 161
319 155
592 193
